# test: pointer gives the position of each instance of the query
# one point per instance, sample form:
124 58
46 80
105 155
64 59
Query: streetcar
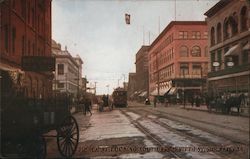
119 97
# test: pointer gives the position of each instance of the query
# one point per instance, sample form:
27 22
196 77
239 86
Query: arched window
196 51
233 21
218 33
243 18
183 51
212 36
226 29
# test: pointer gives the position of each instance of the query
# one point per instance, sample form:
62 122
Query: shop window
184 70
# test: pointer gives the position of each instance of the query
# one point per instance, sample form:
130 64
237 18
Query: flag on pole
127 18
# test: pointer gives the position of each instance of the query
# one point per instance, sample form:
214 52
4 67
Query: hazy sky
96 30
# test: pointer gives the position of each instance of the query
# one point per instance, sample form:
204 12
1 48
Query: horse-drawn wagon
25 122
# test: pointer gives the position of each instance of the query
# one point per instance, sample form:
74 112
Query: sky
96 30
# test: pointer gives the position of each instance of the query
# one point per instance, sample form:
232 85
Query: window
219 57
60 69
6 38
13 39
33 49
196 51
196 68
33 17
212 60
183 34
28 47
226 29
233 21
23 44
212 36
184 70
183 51
218 33
23 9
205 35
60 85
196 35
243 18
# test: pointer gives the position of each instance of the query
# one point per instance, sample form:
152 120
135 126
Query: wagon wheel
68 137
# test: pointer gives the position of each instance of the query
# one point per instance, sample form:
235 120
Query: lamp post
184 98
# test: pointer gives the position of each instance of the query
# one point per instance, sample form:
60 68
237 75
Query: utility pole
95 88
158 77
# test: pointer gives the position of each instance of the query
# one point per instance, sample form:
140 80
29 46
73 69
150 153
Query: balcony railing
230 70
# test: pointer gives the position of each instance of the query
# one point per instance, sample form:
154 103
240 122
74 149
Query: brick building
131 85
229 47
26 31
141 65
178 60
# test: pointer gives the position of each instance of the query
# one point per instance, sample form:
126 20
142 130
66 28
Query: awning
6 67
154 93
163 91
143 94
247 46
172 91
235 50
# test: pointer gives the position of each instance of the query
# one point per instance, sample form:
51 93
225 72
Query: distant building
229 47
68 71
141 65
178 60
25 30
131 85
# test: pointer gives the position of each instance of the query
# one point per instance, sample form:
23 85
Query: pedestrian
155 100
87 106
192 100
197 101
82 105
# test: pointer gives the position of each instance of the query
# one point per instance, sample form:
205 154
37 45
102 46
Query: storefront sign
38 63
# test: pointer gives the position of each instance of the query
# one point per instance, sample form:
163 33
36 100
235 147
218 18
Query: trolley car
25 121
120 97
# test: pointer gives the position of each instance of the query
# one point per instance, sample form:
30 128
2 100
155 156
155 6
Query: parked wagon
26 121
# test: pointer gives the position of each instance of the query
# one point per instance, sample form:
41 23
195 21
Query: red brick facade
178 55
26 31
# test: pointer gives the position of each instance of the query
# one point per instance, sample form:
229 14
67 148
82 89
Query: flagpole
174 10
143 35
159 25
148 37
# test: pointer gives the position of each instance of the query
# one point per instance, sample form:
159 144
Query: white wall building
68 71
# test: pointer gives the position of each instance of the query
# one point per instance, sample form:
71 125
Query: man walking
87 106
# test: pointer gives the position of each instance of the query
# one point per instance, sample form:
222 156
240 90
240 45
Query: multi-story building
229 47
67 71
25 28
141 65
178 59
131 85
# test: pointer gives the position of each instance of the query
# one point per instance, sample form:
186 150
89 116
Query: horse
234 102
